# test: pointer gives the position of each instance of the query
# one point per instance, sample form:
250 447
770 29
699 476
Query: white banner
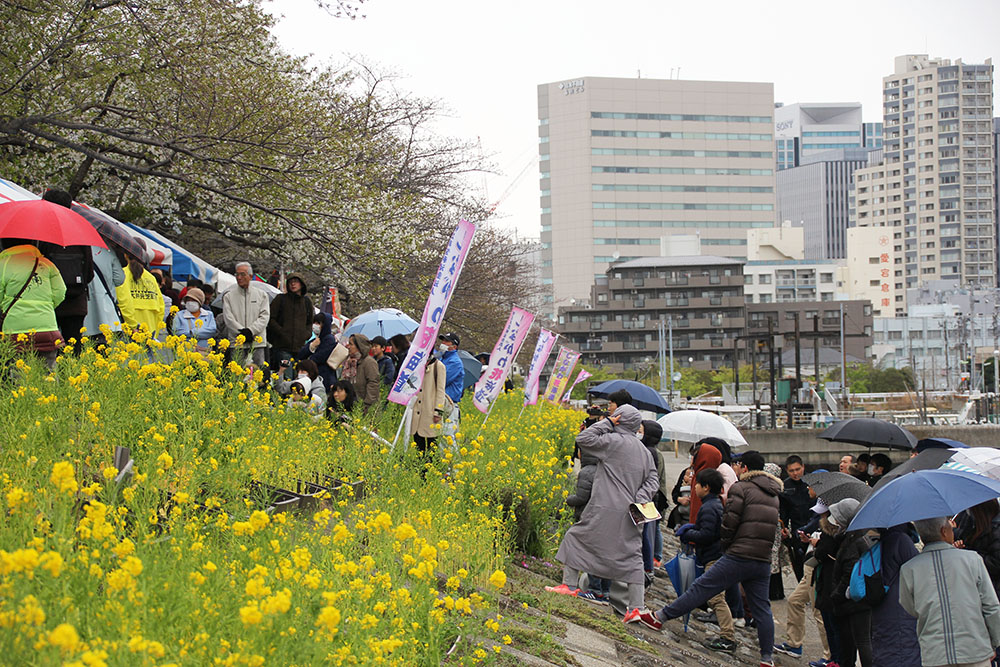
543 348
504 352
411 375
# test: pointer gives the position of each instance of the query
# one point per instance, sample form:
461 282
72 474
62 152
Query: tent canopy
183 263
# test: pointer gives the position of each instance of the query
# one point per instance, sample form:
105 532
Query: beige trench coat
430 398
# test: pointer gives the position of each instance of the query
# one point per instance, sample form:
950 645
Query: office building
624 162
805 129
816 196
933 191
816 321
778 272
702 296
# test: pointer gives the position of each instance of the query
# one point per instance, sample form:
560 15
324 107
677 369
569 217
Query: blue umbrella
643 397
939 443
924 494
385 322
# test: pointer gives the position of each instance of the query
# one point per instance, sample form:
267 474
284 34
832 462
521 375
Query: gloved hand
247 335
681 530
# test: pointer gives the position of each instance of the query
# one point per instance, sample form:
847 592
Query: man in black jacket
76 266
795 511
747 535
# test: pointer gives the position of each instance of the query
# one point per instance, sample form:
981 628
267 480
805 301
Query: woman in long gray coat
605 542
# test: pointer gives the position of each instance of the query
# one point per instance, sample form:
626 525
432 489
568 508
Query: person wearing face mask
455 384
305 371
366 377
318 348
291 318
193 320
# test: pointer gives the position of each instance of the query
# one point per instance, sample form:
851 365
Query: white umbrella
985 460
693 425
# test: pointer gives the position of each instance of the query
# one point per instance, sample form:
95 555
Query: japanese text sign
504 352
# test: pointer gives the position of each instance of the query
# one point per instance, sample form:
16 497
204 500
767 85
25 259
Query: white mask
303 376
442 347
871 469
192 306
317 328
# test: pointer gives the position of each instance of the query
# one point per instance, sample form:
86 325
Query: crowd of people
52 295
931 598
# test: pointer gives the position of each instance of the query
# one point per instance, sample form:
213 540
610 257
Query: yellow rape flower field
183 559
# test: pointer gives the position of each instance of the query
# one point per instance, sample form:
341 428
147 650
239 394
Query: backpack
866 578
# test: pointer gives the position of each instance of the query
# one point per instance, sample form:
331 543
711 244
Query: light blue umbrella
385 322
924 494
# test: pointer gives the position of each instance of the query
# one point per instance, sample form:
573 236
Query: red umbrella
40 220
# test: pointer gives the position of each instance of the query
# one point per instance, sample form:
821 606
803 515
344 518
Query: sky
483 61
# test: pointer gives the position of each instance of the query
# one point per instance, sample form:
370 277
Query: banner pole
401 422
488 413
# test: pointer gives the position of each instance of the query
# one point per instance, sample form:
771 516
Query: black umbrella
111 230
832 487
871 433
929 459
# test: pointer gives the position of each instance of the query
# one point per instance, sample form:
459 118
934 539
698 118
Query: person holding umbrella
30 289
76 265
950 593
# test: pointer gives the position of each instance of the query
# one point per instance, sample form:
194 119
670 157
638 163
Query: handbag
3 315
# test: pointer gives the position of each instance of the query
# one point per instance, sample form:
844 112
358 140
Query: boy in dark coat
704 535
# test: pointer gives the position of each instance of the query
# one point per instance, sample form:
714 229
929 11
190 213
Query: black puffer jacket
851 549
291 319
986 545
751 516
584 485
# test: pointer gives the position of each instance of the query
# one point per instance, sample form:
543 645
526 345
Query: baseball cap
820 507
450 337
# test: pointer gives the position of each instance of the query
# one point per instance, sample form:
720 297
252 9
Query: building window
826 277
765 279
748 279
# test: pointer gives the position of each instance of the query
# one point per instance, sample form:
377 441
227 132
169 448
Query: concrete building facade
624 162
934 188
702 295
816 195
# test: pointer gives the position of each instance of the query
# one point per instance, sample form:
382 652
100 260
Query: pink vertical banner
411 375
565 362
583 375
543 348
504 352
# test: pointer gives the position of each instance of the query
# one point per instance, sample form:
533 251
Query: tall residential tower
934 185
625 162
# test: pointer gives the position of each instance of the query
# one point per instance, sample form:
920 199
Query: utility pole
798 354
661 356
736 368
752 344
770 368
816 348
843 357
670 337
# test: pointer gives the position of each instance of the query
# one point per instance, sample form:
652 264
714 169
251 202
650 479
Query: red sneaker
644 616
657 562
563 589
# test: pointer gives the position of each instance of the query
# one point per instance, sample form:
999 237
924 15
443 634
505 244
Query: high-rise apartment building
804 129
934 186
624 162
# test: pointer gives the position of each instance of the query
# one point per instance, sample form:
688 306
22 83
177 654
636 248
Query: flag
411 375
579 378
504 352
565 362
543 348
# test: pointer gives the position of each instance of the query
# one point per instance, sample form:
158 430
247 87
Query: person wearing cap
386 364
749 524
455 384
805 591
140 299
303 398
291 318
853 618
194 320
949 592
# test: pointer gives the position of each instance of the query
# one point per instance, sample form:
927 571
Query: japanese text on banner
411 374
543 348
504 352
565 362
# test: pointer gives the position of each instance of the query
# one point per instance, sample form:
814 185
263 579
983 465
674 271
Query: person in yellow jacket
30 289
140 299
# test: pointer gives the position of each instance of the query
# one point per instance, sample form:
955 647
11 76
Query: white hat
820 507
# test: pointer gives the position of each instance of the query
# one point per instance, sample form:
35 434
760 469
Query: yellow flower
405 531
63 477
329 619
64 637
165 461
498 579
250 615
16 497
259 519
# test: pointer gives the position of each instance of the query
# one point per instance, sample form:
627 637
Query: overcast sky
483 61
